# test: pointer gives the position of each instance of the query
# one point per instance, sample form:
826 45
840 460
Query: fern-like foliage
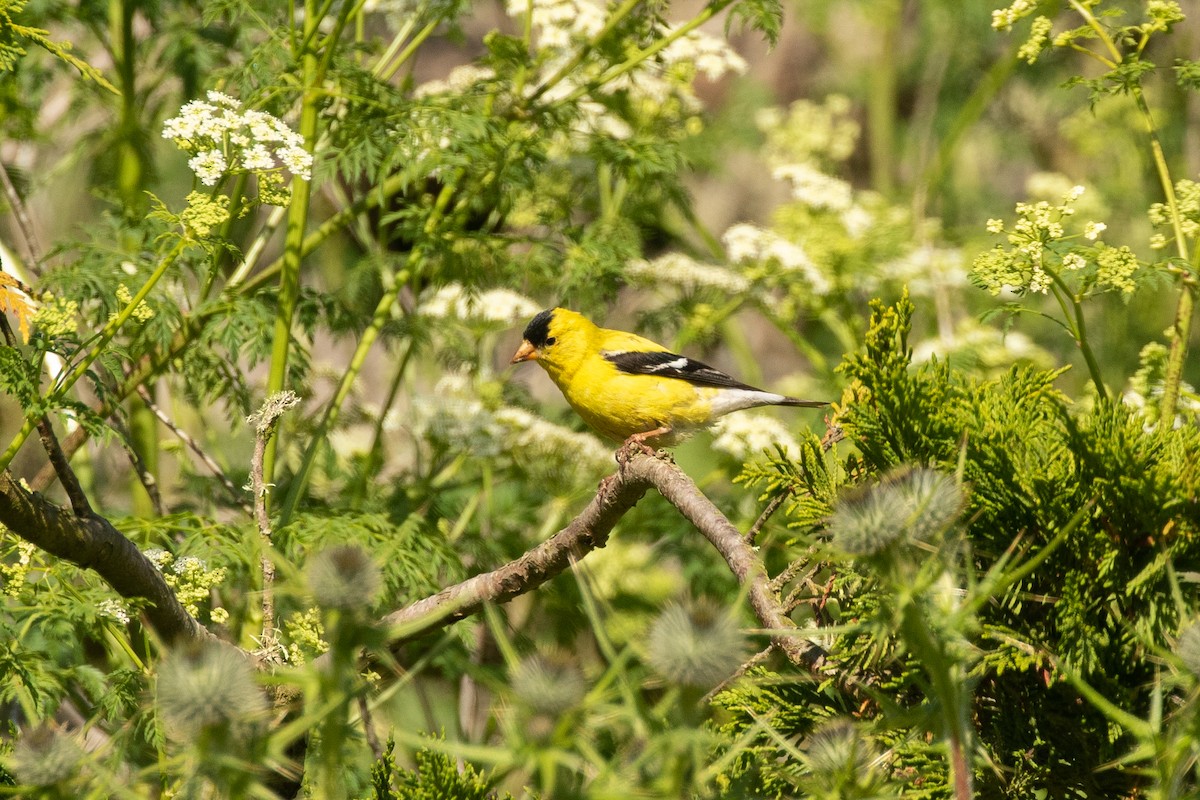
435 776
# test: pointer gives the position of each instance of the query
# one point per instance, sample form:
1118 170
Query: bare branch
93 543
616 495
588 531
681 492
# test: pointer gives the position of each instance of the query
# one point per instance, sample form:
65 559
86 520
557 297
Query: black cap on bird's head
537 336
537 332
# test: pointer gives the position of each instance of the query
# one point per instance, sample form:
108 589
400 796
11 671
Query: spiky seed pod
1188 647
696 646
918 504
207 686
548 684
344 577
840 758
45 756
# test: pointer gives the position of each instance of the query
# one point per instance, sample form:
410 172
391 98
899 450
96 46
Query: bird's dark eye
550 340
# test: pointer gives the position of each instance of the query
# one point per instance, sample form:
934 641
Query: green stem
394 46
297 220
110 330
318 440
945 677
1078 327
881 97
407 52
374 460
1182 327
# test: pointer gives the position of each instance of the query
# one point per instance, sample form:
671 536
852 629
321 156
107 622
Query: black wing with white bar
672 365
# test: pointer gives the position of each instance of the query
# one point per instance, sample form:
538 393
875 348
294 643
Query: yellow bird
631 389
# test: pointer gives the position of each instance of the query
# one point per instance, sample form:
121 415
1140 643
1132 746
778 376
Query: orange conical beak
526 352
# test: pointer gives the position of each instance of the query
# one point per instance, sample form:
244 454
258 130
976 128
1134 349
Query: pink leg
638 442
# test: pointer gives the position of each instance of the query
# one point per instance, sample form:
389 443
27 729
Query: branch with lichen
265 421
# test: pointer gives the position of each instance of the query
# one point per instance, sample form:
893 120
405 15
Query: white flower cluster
561 25
926 268
113 609
460 79
680 270
225 140
984 345
808 132
746 243
560 22
531 434
814 188
746 435
502 306
713 57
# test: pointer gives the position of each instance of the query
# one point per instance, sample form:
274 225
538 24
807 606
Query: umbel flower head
914 504
206 687
223 139
697 646
344 577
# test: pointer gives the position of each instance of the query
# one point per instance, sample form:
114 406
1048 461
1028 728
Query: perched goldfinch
628 387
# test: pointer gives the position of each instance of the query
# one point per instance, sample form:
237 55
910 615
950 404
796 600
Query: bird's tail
795 401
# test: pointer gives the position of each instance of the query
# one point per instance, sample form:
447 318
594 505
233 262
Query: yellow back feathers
630 388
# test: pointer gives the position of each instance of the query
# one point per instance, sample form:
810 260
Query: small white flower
743 242
1074 261
679 270
258 158
746 435
857 221
298 160
995 226
1093 230
158 557
209 166
113 609
189 564
814 188
222 99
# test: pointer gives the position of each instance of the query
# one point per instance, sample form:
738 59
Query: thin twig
364 712
24 222
66 475
746 666
54 451
771 508
144 475
193 445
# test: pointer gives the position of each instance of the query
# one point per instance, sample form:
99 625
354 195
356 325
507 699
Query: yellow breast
619 405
